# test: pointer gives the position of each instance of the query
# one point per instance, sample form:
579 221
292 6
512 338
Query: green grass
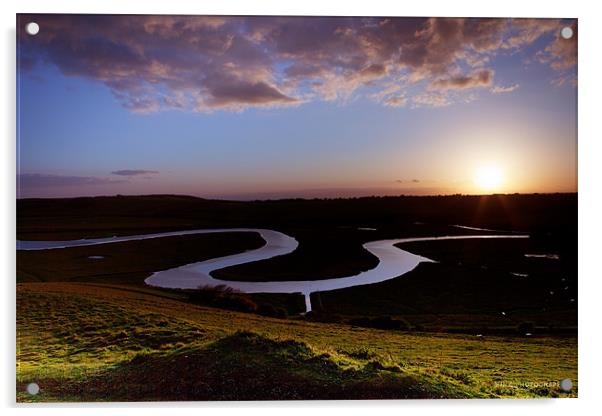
92 342
248 366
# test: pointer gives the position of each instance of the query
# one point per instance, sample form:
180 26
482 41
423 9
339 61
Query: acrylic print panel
277 208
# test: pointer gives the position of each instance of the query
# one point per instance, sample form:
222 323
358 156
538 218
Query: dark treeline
528 212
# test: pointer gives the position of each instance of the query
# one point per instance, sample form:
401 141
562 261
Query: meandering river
393 262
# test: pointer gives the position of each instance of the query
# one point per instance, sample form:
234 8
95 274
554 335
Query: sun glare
488 178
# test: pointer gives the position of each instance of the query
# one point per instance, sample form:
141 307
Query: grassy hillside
94 342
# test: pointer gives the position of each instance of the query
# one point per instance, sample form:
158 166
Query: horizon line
304 198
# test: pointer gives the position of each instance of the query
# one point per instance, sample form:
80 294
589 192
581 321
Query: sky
278 107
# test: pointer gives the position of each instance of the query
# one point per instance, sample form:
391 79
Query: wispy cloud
39 180
197 63
134 172
395 101
498 89
430 100
407 180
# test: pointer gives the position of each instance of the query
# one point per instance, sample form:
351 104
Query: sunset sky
270 107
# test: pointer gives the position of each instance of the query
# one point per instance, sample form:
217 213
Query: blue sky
252 108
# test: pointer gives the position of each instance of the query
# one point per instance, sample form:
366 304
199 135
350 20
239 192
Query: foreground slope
99 342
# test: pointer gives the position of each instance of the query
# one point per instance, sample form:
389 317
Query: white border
590 161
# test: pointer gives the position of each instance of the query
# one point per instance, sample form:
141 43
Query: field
475 287
89 329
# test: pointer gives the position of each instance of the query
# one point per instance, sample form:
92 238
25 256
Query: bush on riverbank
324 317
222 297
266 309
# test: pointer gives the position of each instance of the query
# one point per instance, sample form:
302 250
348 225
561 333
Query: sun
488 177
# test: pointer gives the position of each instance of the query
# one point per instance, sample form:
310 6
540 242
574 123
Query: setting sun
488 177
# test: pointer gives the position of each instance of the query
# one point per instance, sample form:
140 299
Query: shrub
321 316
237 303
222 297
269 310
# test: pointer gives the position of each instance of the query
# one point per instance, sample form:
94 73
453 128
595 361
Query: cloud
208 63
498 89
481 78
236 94
134 172
430 100
395 101
570 79
38 180
408 181
527 31
561 55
